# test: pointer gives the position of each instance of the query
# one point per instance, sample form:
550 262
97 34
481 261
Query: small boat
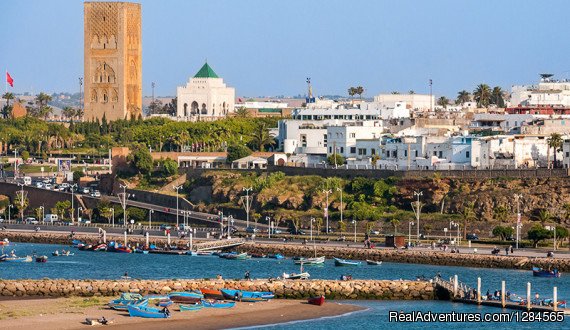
539 272
85 247
294 276
3 257
148 312
374 263
185 297
246 296
75 243
4 242
259 256
516 299
127 299
137 250
343 262
204 253
164 302
123 249
187 294
235 256
310 261
212 303
212 294
191 253
191 307
275 256
550 302
42 259
100 247
19 259
62 254
319 301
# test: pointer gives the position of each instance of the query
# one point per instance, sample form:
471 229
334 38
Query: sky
270 47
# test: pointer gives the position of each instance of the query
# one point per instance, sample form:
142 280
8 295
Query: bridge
219 245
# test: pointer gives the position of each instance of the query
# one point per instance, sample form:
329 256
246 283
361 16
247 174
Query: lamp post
410 224
268 219
73 186
354 222
312 220
340 189
79 209
229 228
150 212
454 224
9 209
417 210
22 200
124 204
247 204
327 208
43 215
518 226
177 188
113 213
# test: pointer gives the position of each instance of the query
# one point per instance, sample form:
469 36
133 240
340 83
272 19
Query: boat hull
146 312
218 303
318 301
342 262
195 307
374 263
212 294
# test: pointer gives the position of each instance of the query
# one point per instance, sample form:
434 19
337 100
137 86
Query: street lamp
79 209
327 208
268 219
455 225
339 189
9 208
43 215
354 222
518 227
150 212
410 224
177 188
73 186
312 220
247 204
113 213
417 210
124 204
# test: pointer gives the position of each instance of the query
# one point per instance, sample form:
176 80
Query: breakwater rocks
355 289
410 256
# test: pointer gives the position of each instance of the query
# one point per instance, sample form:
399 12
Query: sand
70 313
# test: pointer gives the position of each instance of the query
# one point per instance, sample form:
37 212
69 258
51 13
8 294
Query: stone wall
355 289
415 257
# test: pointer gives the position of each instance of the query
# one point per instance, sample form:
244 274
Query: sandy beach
70 313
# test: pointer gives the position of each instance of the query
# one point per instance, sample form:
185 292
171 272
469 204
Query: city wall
289 289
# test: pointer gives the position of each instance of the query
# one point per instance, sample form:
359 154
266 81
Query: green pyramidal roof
206 72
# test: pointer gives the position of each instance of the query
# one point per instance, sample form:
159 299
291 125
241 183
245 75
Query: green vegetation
335 159
504 232
538 233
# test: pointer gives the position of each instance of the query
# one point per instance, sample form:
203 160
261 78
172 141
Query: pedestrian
511 249
507 250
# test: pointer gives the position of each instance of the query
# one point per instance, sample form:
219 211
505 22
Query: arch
115 95
93 95
204 111
194 108
185 109
105 96
224 109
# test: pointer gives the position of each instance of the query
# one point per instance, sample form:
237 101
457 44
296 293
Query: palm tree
261 137
68 112
411 92
555 142
395 222
544 216
352 91
395 93
443 101
359 90
482 94
21 202
242 112
500 213
497 97
463 97
8 96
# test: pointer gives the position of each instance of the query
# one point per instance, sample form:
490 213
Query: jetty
219 245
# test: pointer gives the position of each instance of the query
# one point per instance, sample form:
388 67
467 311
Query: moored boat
245 296
125 300
148 312
100 247
123 249
212 303
204 253
319 301
235 256
343 262
310 261
191 307
293 276
275 256
259 256
374 263
4 242
212 294
539 272
41 259
19 259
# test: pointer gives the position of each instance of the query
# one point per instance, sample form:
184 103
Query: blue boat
191 253
186 294
246 296
539 272
125 300
148 312
76 242
212 303
192 307
276 256
343 262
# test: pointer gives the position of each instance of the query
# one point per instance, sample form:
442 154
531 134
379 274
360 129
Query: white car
32 220
85 190
39 184
95 193
48 186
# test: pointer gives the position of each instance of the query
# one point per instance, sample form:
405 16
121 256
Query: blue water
376 316
105 265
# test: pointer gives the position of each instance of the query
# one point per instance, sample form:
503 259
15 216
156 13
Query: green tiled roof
206 72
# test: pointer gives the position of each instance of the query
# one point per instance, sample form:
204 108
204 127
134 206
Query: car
251 230
32 220
95 193
1 219
85 190
276 231
472 237
165 227
297 232
374 232
48 186
40 184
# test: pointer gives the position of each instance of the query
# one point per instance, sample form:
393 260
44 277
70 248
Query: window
567 154
435 153
303 140
330 150
441 154
466 154
395 153
362 151
342 150
416 153
352 150
372 151
353 135
405 153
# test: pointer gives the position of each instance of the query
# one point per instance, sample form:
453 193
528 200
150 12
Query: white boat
293 276
310 261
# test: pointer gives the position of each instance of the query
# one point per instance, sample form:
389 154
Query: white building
205 97
356 140
413 101
303 136
399 110
548 92
512 151
339 113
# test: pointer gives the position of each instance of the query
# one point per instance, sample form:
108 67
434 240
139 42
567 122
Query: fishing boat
310 261
373 263
539 272
41 259
3 257
275 256
319 301
212 303
123 249
148 312
245 296
550 302
235 256
125 300
137 250
75 243
62 254
185 297
191 307
259 256
343 262
212 294
204 253
165 302
4 242
191 253
19 259
100 247
294 276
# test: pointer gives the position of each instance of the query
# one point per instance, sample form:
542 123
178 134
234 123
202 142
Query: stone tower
113 55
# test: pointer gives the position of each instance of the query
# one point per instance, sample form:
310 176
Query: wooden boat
343 262
191 307
293 276
212 303
84 247
539 272
126 299
148 312
275 256
190 294
100 247
374 263
319 301
245 296
184 299
235 256
123 249
310 261
212 294
42 259
164 302
141 251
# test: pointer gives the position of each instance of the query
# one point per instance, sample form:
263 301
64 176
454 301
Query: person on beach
247 275
507 250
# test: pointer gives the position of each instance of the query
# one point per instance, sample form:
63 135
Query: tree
25 155
538 233
77 175
497 97
463 97
68 112
359 90
335 159
60 208
141 160
555 142
561 234
544 216
242 112
7 109
342 226
395 222
500 213
261 138
136 213
467 214
443 102
352 91
503 232
21 202
8 96
169 167
237 151
482 95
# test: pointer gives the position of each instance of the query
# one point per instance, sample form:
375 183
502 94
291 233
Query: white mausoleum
205 97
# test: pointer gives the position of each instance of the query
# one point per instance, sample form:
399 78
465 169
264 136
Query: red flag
9 79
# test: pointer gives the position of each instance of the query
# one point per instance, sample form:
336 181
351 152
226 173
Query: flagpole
6 82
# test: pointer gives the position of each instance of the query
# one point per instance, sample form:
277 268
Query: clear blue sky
265 47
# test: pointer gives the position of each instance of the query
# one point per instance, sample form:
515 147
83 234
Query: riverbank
289 289
70 313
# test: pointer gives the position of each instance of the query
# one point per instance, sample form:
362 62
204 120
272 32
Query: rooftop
206 72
